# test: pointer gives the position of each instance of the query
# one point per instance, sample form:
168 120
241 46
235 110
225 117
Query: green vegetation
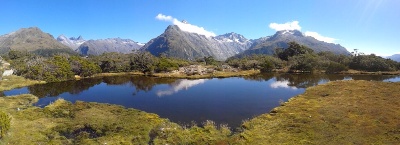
342 112
263 62
4 123
11 82
92 123
52 65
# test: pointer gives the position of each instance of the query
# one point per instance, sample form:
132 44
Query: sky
371 26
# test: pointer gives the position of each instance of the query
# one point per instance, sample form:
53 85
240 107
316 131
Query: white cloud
294 25
320 37
185 26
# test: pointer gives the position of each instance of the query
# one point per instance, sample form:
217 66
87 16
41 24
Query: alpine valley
174 42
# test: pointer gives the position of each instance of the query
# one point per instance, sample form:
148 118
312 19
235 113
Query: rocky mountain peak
71 42
290 32
181 44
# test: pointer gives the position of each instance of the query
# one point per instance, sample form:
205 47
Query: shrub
4 123
335 67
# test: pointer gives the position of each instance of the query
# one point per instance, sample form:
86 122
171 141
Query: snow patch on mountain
72 42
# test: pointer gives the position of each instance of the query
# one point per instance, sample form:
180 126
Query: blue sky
372 26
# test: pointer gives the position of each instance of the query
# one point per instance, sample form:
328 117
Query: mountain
98 47
395 57
181 44
72 42
280 39
29 39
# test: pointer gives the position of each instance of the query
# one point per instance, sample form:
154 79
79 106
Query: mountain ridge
267 45
177 43
100 46
395 57
29 39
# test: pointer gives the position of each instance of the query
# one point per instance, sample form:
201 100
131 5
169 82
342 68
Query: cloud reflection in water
179 85
282 84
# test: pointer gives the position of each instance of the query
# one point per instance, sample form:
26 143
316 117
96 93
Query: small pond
223 100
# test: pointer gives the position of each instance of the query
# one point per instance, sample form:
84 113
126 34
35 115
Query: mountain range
395 57
72 42
98 47
280 39
174 42
177 43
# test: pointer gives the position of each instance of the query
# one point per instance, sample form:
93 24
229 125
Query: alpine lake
186 101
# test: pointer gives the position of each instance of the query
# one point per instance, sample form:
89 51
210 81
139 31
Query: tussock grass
342 112
11 82
63 122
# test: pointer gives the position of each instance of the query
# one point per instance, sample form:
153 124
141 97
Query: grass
11 82
340 112
93 123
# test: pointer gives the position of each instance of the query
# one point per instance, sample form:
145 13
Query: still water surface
225 101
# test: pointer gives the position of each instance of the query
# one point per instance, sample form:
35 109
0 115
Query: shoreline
292 122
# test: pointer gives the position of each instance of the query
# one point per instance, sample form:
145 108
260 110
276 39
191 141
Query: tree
304 62
143 62
60 69
166 65
294 49
210 60
83 67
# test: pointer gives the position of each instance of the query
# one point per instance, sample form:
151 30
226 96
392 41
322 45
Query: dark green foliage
166 65
294 49
267 66
113 62
143 62
264 62
13 54
60 69
52 69
83 67
304 62
341 58
336 67
54 52
4 123
210 61
372 63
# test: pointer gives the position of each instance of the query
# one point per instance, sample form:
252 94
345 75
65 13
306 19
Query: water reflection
179 85
227 100
281 84
55 89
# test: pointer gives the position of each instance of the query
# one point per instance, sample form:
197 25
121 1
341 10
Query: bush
4 123
335 67
166 65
